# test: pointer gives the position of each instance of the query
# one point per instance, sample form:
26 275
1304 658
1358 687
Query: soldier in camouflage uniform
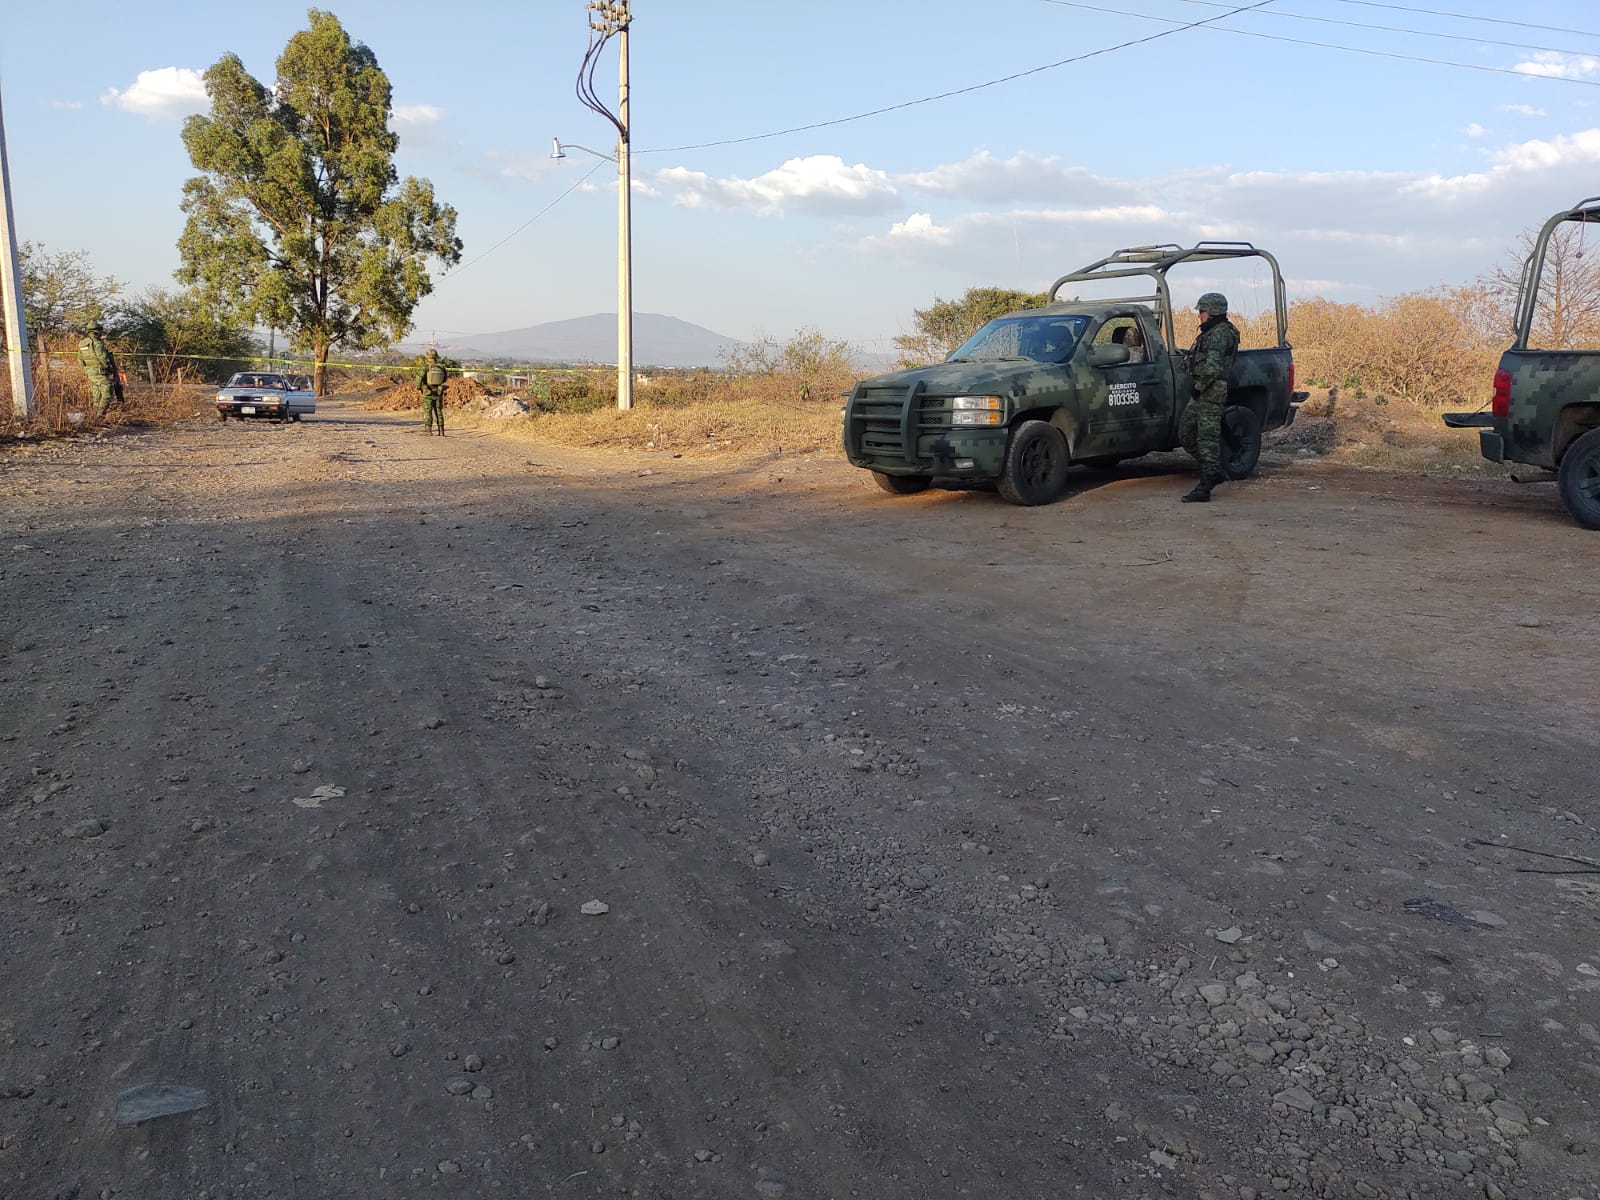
1209 361
430 381
100 365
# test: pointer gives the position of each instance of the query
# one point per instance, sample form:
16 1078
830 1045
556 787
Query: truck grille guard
882 424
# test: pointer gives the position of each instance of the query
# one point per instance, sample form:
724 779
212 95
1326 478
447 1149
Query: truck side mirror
1110 355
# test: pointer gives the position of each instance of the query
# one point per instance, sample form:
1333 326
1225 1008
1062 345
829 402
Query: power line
976 87
1277 37
451 275
1431 12
1453 37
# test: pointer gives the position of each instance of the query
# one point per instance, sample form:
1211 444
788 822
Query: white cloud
919 227
1540 154
822 184
1553 64
64 105
1474 130
165 92
1524 110
1023 176
417 114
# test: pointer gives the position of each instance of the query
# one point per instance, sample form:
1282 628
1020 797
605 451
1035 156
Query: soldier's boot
1199 494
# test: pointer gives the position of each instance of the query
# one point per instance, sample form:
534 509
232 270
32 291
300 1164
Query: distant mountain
658 341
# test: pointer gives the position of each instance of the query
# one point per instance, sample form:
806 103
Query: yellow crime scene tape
279 361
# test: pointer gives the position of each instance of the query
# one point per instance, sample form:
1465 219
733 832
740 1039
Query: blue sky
1366 175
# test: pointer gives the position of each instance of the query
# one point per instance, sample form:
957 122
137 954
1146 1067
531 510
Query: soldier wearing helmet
1210 360
430 382
100 365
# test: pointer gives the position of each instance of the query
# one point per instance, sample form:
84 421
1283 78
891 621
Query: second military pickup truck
1094 382
1545 407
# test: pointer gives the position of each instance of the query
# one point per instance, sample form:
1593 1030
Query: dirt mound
458 393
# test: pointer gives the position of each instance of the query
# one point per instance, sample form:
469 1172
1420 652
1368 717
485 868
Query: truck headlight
977 410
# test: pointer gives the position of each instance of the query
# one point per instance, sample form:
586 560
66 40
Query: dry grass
66 409
1382 434
719 426
694 412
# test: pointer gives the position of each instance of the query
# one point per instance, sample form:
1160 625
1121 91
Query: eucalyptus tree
298 219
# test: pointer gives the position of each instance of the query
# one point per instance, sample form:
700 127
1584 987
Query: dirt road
1116 849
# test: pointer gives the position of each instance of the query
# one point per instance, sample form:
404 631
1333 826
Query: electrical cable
1453 37
479 258
1278 37
976 87
1433 12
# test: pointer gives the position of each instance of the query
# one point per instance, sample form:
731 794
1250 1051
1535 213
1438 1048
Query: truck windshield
1042 339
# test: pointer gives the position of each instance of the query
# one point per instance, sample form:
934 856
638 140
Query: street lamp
608 19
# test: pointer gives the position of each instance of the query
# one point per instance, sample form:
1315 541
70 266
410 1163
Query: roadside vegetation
1379 374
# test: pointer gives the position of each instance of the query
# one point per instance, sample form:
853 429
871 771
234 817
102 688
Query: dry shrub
65 408
1436 347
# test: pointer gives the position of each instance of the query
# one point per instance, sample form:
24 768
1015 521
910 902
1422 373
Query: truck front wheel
1579 479
1035 470
901 485
1241 442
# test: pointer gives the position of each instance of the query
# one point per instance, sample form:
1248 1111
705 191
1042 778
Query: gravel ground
392 817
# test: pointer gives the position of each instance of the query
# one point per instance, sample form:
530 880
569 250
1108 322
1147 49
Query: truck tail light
1501 406
1291 374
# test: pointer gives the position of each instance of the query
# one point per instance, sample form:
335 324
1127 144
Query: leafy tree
182 339
60 292
298 220
943 326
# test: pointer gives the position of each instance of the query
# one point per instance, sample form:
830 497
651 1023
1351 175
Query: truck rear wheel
1579 479
901 485
1241 442
1035 470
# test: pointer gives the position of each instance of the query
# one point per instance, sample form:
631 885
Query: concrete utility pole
624 221
611 18
11 283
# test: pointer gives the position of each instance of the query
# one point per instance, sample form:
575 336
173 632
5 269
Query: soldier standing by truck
100 365
1209 362
430 381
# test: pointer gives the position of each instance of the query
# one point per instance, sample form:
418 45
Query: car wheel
223 417
1035 470
901 485
1241 442
1579 480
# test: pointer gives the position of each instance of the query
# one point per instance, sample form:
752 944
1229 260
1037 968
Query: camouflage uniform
100 365
1210 360
430 381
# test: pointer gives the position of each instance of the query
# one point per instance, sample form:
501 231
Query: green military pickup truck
1545 410
1033 392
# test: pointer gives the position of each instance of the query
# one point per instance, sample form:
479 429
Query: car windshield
253 379
1045 339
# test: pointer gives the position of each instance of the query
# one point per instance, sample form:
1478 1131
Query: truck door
1131 410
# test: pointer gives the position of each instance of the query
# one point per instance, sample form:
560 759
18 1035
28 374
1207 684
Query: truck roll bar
1154 262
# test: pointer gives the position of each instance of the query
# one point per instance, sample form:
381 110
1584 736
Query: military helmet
95 327
1213 304
433 352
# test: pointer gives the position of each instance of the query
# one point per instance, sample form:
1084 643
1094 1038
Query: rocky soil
386 816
